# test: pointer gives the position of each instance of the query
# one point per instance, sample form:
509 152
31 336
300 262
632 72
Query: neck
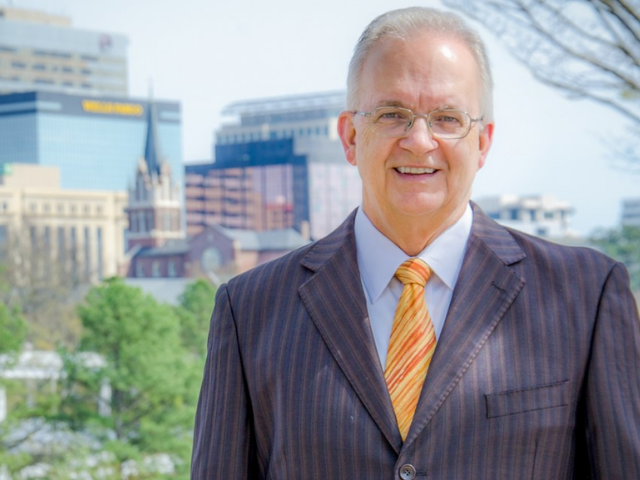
413 234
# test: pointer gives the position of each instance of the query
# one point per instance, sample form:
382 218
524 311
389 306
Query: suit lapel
335 300
484 291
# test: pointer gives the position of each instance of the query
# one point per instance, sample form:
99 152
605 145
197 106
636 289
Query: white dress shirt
378 260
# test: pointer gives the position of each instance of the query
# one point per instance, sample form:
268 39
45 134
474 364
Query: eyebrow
397 103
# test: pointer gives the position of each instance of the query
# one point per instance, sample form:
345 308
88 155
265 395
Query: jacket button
407 472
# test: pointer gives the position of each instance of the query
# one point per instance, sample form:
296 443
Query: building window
3 234
46 207
172 268
62 254
139 270
155 268
142 224
32 207
87 254
100 267
33 238
46 244
86 209
73 252
60 208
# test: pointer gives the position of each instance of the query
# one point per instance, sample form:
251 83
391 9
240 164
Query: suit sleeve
612 420
223 445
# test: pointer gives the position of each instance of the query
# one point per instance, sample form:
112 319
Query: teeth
415 171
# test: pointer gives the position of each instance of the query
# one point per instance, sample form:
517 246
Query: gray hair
404 23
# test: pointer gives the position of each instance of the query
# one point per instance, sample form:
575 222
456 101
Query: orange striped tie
411 345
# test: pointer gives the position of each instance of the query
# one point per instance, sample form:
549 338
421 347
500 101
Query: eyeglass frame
426 117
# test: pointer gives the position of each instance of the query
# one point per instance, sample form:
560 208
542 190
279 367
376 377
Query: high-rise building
39 51
278 163
95 141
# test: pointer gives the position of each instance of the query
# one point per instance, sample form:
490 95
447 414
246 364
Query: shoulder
545 253
536 256
287 273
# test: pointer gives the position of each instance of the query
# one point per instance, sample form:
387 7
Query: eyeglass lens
396 122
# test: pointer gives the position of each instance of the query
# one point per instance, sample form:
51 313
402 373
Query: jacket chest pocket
540 397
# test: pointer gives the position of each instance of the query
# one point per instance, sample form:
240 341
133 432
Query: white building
81 230
631 212
540 215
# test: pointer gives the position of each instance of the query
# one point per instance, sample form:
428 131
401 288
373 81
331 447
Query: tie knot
413 270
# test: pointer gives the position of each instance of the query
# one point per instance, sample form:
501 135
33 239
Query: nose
419 139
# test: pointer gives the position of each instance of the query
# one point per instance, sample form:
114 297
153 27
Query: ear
347 132
484 143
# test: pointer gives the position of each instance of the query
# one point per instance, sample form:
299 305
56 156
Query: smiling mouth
415 171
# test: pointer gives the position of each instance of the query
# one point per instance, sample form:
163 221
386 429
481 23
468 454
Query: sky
207 54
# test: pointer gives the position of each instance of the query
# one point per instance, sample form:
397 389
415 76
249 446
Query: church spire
152 153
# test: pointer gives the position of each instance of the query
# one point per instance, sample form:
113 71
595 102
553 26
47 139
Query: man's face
424 73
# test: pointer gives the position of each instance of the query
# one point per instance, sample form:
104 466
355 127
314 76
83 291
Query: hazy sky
209 53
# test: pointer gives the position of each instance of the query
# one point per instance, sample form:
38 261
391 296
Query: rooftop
288 103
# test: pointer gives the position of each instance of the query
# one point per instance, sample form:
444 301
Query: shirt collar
379 257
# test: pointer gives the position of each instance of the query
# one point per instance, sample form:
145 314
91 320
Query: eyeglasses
397 121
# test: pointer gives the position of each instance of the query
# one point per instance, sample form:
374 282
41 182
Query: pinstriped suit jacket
536 374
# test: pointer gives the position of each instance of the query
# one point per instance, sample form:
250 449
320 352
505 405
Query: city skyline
208 56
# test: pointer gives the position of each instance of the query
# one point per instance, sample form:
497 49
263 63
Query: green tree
13 330
42 288
623 244
145 369
196 305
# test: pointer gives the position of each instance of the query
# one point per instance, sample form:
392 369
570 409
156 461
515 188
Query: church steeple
152 153
154 208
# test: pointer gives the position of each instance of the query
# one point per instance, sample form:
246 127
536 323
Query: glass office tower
95 141
279 163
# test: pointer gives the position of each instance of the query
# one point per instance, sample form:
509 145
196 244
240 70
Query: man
531 350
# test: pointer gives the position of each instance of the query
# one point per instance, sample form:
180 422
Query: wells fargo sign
112 108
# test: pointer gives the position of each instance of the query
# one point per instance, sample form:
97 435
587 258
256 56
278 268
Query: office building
278 163
631 212
83 231
94 141
39 51
539 215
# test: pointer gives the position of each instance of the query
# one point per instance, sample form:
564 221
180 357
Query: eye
448 118
388 115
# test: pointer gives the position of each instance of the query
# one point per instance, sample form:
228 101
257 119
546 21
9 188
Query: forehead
426 70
